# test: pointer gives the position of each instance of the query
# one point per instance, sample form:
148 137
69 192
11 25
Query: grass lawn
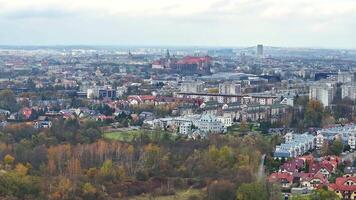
180 195
122 136
128 136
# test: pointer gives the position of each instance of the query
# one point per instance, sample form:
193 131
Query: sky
285 23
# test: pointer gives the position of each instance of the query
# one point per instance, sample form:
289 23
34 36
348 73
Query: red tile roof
340 184
280 176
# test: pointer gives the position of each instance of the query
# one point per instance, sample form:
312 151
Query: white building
210 124
192 87
348 91
230 88
101 92
295 145
345 77
323 92
185 128
226 121
351 140
319 140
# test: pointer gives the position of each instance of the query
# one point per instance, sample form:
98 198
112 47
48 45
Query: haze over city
287 23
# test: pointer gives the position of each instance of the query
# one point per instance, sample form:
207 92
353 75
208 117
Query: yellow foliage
8 159
21 169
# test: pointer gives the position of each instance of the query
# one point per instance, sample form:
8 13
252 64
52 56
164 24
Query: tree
337 146
17 185
8 100
314 113
9 160
221 190
252 191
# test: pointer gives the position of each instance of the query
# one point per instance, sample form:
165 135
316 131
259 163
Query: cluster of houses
298 144
346 133
304 174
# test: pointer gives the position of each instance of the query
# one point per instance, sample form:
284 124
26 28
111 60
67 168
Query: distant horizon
167 46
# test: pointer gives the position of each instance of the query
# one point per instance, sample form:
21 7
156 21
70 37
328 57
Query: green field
128 136
181 195
122 136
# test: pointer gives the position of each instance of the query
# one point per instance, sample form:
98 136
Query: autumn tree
314 113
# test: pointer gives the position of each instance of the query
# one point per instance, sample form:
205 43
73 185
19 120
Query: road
261 169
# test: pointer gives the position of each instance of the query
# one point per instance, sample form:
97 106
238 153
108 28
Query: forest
71 160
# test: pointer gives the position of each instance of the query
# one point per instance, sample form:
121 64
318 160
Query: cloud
204 22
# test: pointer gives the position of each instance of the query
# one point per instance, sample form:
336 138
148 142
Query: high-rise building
345 77
348 91
260 50
231 88
323 92
192 87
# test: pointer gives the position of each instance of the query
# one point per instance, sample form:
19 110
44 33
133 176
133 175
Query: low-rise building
295 145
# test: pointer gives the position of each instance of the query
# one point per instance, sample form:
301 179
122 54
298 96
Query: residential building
348 91
295 145
192 87
210 124
229 88
345 77
101 92
344 187
323 92
260 50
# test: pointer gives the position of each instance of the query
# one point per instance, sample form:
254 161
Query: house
323 167
283 178
292 166
43 122
313 181
344 187
26 113
350 172
5 112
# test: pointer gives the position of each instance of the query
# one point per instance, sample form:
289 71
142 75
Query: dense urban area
187 123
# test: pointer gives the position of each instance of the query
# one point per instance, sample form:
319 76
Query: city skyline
241 23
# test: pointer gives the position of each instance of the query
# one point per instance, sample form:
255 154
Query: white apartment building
230 88
226 121
345 77
323 92
210 124
192 87
348 91
351 140
319 140
185 128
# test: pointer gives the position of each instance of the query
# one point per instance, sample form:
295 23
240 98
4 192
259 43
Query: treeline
59 164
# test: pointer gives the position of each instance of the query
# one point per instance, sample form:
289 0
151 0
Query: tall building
192 87
345 77
323 92
231 88
348 91
260 50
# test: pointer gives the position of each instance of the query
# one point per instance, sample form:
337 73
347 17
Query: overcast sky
297 23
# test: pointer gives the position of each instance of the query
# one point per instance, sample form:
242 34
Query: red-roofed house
293 165
26 112
284 178
344 187
324 168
